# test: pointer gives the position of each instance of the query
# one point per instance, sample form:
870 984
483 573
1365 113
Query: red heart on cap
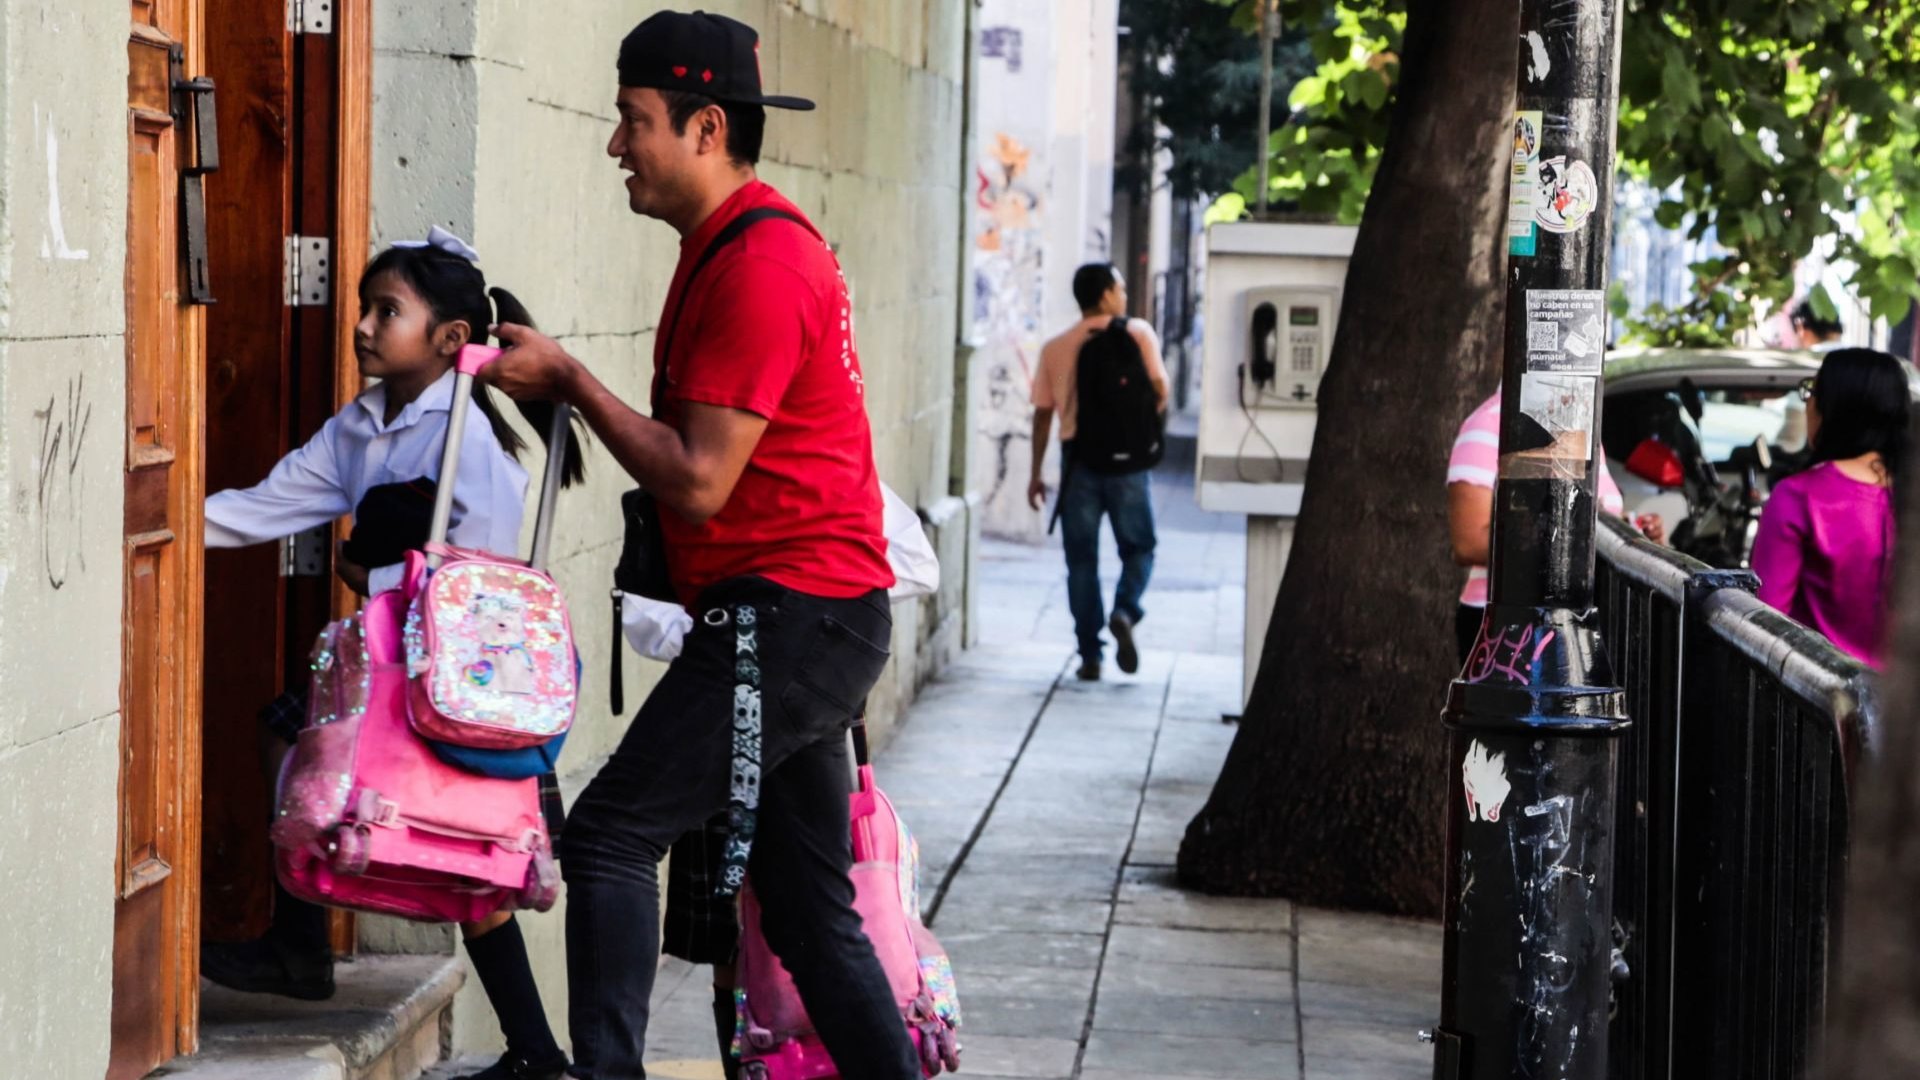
680 71
707 75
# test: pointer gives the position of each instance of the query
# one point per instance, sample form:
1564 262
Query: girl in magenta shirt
1824 551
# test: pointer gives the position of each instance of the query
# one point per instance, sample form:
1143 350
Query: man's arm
1041 394
692 473
1470 522
1042 434
1149 343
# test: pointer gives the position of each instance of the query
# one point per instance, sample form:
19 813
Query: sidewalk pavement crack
1120 877
986 816
1299 1008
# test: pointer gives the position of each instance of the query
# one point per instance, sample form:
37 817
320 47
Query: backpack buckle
374 810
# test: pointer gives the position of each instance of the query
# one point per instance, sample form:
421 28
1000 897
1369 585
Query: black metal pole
1535 718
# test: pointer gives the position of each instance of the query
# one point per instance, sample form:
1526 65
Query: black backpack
1120 428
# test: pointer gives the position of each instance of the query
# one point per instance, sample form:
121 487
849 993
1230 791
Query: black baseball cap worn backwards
701 54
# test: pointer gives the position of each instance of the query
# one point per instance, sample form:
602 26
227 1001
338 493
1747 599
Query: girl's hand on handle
533 368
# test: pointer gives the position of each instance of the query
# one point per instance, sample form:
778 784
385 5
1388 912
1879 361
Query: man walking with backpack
1105 380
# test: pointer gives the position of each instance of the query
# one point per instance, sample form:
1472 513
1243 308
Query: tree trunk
1876 1027
1334 789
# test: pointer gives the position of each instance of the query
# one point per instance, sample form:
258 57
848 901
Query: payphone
1272 302
1290 334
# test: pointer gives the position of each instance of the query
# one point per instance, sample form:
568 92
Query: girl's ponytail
454 288
538 413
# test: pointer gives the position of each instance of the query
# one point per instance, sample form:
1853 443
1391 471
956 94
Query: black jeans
818 660
1466 629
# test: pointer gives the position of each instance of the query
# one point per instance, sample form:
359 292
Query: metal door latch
197 119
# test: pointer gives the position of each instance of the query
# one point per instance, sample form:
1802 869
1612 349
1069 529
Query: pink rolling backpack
775 1040
369 817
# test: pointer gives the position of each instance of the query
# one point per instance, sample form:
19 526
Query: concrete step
390 1019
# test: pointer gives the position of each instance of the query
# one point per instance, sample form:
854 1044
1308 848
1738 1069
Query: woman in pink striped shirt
1470 475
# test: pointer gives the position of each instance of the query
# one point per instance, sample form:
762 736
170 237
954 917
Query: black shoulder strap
1120 325
726 236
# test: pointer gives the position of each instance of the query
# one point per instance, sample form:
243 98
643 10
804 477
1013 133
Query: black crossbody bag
642 569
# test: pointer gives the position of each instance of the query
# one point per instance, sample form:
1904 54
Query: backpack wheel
349 850
754 1070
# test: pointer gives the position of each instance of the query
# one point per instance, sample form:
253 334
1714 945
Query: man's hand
533 368
1037 493
351 573
1652 527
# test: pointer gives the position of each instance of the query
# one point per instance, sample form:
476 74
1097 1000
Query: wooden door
155 968
250 208
294 118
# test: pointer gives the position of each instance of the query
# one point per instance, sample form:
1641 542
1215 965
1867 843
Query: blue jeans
1126 499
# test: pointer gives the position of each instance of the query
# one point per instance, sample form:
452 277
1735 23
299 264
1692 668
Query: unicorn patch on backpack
500 628
489 654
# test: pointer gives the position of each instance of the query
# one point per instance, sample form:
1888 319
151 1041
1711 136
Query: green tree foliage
1200 72
1775 126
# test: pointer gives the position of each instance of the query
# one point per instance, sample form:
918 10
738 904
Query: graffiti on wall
54 245
59 494
1009 291
1002 43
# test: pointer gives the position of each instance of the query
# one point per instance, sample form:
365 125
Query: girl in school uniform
380 459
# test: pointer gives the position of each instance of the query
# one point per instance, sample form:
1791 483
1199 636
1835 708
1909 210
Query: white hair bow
438 237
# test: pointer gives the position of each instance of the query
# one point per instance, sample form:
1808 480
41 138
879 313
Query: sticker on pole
1486 783
1555 436
1522 232
1566 330
1565 195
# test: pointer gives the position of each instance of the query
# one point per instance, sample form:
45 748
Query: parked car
1698 437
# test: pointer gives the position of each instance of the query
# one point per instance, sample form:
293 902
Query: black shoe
1089 671
512 1066
1125 653
265 966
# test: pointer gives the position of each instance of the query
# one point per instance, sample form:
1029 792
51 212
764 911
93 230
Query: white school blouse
354 452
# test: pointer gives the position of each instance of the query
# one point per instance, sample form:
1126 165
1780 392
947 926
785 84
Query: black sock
725 1022
299 926
500 959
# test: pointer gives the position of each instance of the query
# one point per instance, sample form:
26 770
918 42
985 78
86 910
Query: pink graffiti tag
1505 655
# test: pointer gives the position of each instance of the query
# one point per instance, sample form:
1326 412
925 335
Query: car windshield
1733 418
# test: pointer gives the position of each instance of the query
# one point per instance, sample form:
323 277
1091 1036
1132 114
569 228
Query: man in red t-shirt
760 455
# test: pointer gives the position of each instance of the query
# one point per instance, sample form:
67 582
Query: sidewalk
1049 814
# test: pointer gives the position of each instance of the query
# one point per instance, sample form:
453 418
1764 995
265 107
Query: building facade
1042 204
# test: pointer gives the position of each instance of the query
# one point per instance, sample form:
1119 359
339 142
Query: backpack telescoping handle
473 358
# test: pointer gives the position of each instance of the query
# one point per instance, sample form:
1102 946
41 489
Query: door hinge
310 16
308 271
305 554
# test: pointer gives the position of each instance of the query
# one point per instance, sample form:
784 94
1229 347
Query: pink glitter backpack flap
490 658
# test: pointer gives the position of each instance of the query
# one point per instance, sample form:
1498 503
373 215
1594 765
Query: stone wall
63 196
492 117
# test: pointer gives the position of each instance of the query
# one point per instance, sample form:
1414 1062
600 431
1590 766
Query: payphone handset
1290 337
